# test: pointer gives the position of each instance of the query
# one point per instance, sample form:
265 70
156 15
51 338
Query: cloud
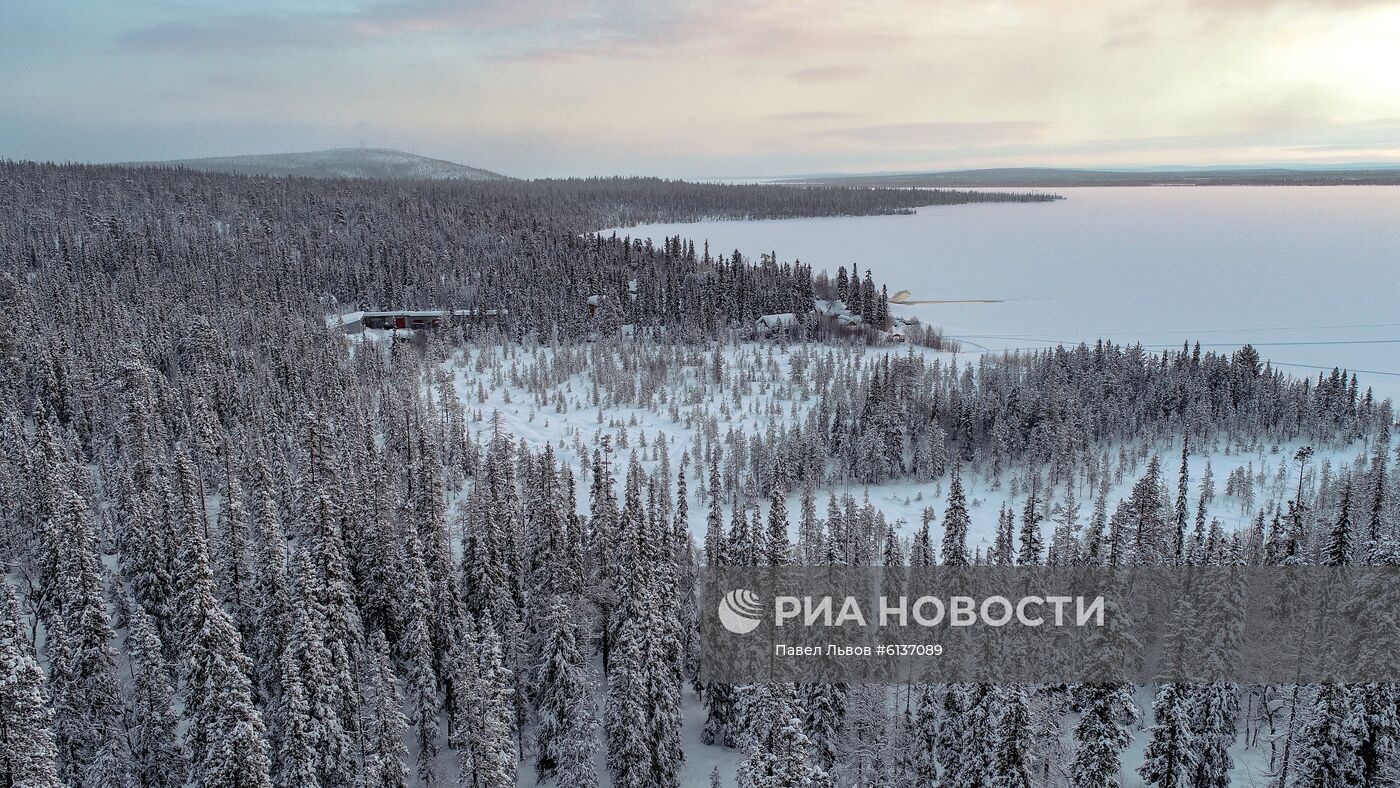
812 115
378 21
962 133
829 73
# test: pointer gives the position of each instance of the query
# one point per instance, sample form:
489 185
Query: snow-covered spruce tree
272 604
385 728
1108 712
1169 758
225 735
28 755
1031 544
1179 512
664 705
1213 710
642 719
234 565
924 735
295 760
1103 732
824 708
416 649
866 751
1010 764
565 707
310 656
779 756
1327 745
83 664
629 754
327 590
158 758
490 757
1147 522
955 524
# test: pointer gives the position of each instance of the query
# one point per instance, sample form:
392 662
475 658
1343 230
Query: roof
779 319
434 313
351 318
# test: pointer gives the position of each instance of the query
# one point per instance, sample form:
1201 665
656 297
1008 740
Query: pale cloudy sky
707 87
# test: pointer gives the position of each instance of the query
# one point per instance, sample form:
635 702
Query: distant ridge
1043 177
336 163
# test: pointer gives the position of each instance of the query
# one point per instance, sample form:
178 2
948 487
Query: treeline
291 250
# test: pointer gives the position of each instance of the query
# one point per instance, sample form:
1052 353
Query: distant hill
337 163
1046 177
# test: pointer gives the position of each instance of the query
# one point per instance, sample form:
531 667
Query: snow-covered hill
338 163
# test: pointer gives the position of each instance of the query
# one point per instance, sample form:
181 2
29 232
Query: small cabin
785 323
412 319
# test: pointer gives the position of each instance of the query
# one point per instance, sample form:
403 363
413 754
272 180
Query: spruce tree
385 753
1010 765
1169 759
1327 755
87 701
565 707
28 755
158 757
955 525
225 735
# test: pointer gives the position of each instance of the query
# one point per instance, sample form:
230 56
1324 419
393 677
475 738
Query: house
411 319
785 323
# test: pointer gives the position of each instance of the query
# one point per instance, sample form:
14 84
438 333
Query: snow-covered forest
245 547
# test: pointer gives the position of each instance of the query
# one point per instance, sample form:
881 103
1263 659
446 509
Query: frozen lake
1309 275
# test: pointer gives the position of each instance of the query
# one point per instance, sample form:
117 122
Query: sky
708 88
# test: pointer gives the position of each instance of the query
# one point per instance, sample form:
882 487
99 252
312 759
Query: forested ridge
244 549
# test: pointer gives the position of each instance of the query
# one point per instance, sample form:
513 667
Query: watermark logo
740 611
